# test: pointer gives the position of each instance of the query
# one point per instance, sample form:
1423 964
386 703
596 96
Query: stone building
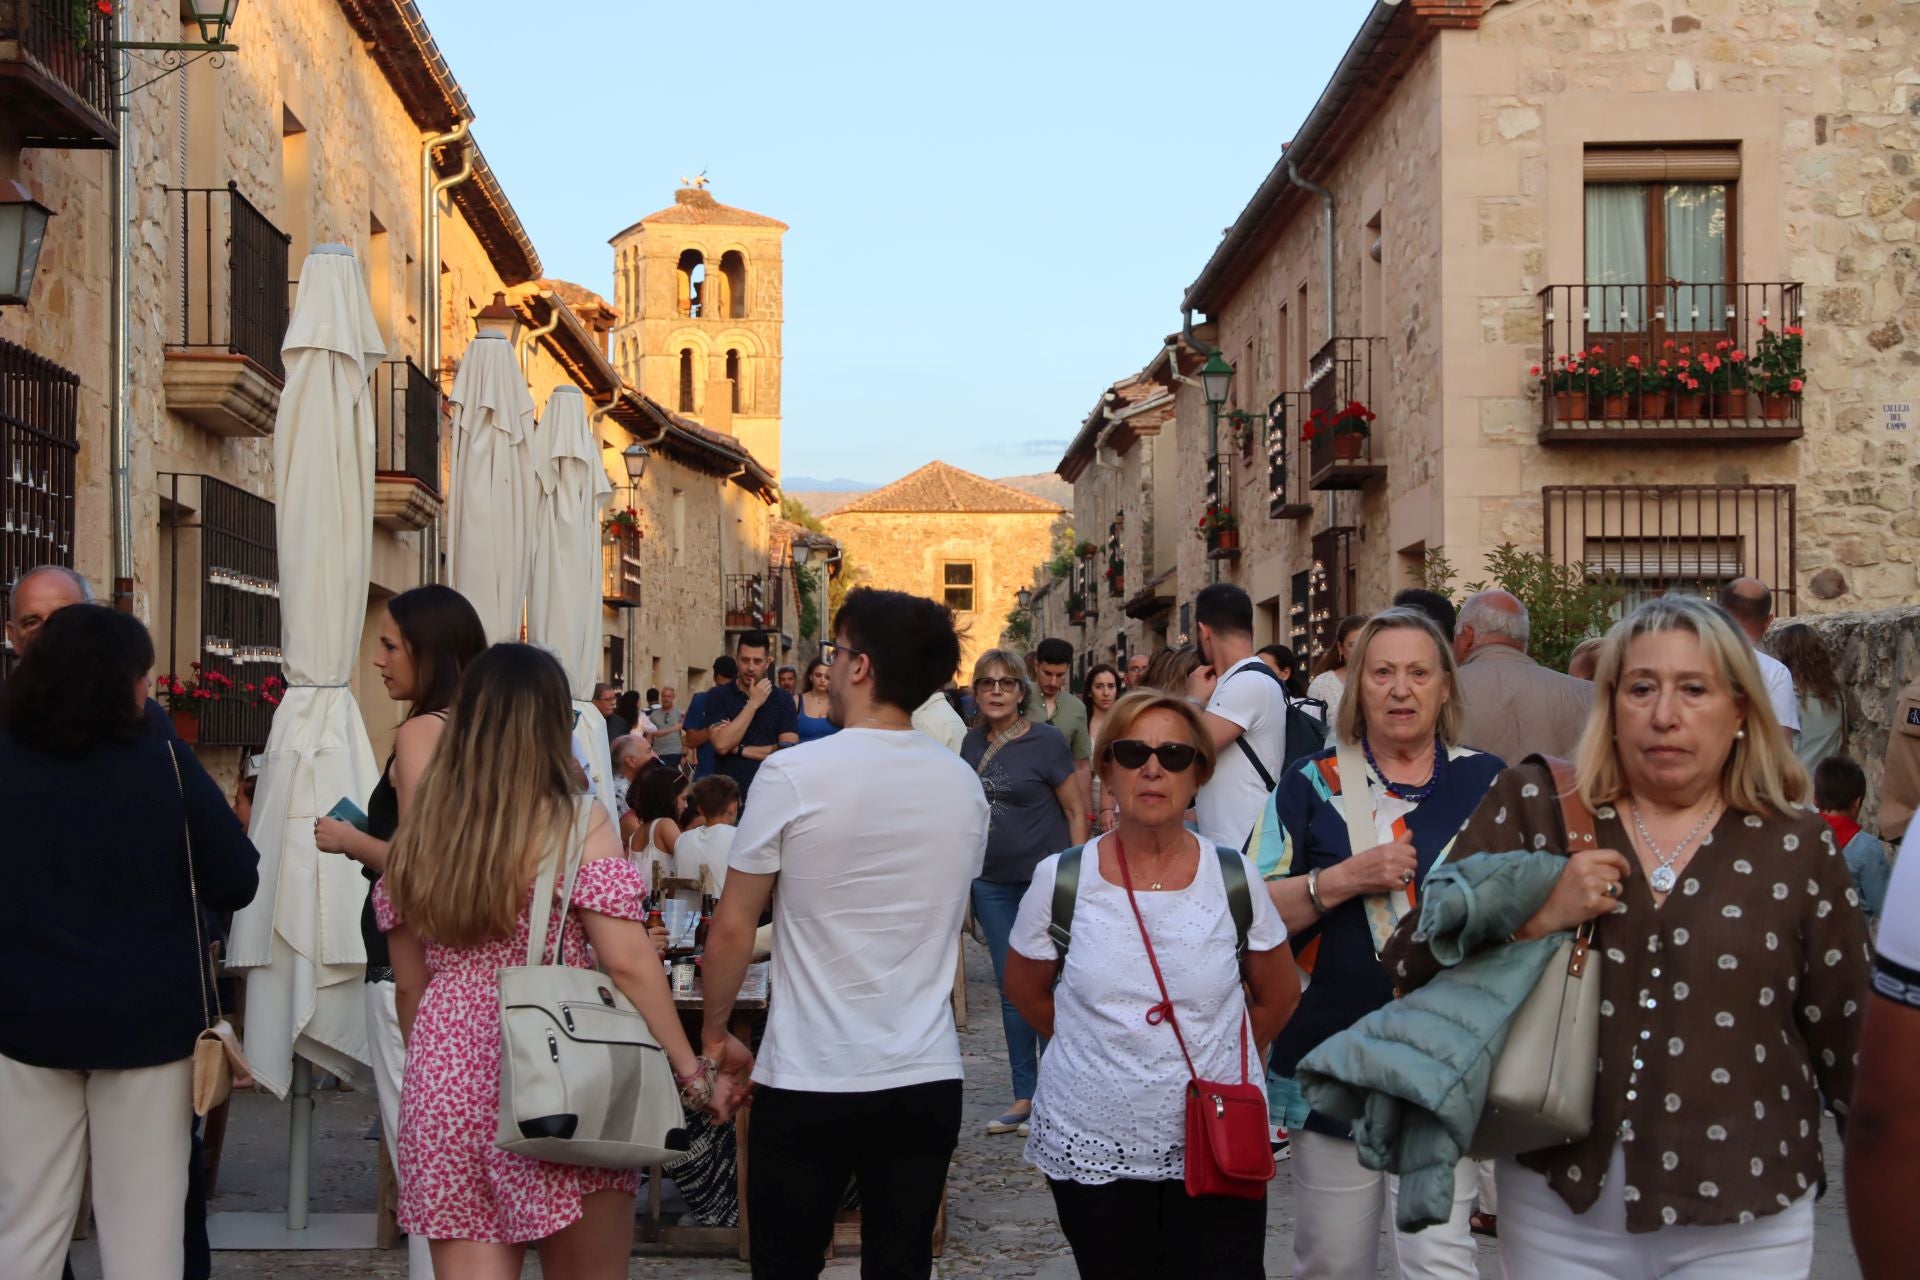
1484 188
952 536
145 462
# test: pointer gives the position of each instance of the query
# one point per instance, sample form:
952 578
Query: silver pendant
1663 879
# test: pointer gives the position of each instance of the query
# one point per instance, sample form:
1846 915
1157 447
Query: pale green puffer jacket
1412 1076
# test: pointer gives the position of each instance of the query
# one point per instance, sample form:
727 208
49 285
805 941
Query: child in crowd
717 800
1839 787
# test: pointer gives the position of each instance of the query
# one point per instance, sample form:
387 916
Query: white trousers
388 1053
1339 1207
136 1126
1542 1239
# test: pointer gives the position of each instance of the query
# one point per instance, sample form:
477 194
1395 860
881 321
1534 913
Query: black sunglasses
1174 757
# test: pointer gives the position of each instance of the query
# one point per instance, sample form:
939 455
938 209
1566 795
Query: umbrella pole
300 1145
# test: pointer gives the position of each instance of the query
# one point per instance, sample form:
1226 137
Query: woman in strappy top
657 798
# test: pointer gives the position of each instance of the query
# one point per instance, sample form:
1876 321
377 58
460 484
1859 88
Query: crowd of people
1210 865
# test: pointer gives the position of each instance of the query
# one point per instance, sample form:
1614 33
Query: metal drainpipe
430 189
1326 201
120 178
528 337
1213 411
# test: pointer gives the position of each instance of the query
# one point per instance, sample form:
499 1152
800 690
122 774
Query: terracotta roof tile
939 487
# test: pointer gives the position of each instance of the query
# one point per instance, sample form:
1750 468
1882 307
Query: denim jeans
995 905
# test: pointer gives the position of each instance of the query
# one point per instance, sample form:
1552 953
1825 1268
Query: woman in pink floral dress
495 802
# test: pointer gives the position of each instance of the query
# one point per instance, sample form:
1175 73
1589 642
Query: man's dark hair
1224 607
74 688
653 695
751 640
1753 608
443 635
910 641
714 794
1839 783
725 668
1054 652
1431 603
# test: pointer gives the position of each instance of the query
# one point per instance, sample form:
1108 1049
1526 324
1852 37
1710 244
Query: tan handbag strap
209 1006
567 856
1383 909
1575 818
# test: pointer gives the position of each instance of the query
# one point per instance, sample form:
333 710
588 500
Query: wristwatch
1313 891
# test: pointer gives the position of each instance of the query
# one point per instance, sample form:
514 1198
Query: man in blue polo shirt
696 731
749 722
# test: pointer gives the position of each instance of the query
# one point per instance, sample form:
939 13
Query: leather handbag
218 1063
582 1079
1229 1152
1541 1090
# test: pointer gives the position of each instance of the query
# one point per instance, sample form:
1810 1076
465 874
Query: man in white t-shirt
874 836
1246 713
709 846
1751 604
938 720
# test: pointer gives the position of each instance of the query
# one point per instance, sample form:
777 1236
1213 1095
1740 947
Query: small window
692 282
733 377
686 380
957 579
733 268
1660 238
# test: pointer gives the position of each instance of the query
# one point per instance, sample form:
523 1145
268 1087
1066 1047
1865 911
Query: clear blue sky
995 206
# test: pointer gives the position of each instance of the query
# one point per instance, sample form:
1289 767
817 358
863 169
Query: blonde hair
496 797
1014 665
1761 774
1350 717
1122 715
1170 669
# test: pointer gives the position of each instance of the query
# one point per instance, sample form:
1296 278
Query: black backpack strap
1286 700
1239 898
1253 759
1066 890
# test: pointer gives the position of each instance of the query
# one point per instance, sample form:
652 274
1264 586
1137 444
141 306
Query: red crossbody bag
1228 1149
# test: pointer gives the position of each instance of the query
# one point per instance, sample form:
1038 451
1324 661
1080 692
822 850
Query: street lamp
635 456
1216 377
23 229
497 319
213 17
1024 598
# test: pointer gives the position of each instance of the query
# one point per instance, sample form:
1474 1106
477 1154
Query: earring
1739 733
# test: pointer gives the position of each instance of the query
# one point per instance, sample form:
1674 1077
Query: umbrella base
258 1232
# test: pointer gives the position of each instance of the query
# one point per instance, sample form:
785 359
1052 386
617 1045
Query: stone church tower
699 294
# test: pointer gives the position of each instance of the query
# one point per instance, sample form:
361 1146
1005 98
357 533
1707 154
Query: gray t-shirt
667 744
1026 822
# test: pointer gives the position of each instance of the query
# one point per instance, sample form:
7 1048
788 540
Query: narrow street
1001 1221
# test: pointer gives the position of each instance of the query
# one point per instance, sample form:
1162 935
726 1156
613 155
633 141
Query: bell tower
698 287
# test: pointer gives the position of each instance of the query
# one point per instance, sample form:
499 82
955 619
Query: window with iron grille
956 579
39 414
1655 538
221 581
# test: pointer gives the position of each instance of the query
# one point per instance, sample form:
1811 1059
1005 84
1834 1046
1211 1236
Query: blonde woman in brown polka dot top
1735 970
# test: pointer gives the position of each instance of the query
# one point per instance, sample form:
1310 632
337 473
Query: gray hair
624 749
77 579
1488 619
1014 665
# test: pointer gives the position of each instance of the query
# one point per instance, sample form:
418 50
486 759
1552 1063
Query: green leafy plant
1566 603
1217 518
1776 368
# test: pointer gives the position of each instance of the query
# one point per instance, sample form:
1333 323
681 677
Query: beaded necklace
1401 789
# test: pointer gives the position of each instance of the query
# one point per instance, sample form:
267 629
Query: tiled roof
938 487
696 206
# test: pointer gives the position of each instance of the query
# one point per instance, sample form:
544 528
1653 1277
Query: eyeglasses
830 652
998 684
1174 757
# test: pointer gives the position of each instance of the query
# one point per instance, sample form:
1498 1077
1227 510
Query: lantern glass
215 18
802 552
635 456
1025 597
1216 379
23 230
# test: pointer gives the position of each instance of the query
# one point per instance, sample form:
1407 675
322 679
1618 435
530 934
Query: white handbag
582 1079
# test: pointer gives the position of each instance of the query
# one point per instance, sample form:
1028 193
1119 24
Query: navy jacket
97 945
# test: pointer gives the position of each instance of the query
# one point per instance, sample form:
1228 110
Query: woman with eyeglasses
1035 808
1109 1128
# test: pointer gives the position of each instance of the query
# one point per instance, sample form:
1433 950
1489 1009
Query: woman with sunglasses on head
1035 808
1401 712
1100 690
1109 1115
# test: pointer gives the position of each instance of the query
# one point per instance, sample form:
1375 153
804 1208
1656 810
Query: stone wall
1877 653
1117 485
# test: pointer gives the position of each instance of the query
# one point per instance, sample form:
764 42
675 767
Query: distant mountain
802 484
824 497
1044 484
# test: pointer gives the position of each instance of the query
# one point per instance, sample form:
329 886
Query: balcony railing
39 442
1621 363
56 83
752 601
1222 544
620 566
1654 538
1321 594
1286 461
1341 375
232 283
407 414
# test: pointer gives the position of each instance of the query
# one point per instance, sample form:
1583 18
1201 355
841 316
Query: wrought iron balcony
223 348
1286 457
408 411
752 601
1631 363
1344 450
620 566
39 445
56 74
1654 538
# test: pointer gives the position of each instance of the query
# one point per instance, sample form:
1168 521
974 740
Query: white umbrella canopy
490 548
300 936
563 607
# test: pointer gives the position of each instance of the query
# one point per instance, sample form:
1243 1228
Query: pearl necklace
1664 875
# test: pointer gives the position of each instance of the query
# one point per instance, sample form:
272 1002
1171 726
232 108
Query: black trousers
1134 1230
802 1148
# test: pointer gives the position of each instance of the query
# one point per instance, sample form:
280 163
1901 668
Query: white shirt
1111 1099
1899 936
938 720
1779 682
1230 803
708 847
877 836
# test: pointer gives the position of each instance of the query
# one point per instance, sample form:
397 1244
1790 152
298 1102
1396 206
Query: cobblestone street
1001 1217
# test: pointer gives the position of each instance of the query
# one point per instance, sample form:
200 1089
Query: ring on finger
1406 877
1613 889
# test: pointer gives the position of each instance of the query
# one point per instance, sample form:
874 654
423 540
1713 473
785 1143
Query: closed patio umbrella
563 608
490 548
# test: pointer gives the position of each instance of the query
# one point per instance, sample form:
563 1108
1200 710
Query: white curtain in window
1696 218
1616 257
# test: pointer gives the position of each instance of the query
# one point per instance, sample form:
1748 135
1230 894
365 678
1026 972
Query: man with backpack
1246 714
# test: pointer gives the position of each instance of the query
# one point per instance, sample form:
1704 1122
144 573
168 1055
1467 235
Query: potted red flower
1568 386
186 699
1220 527
1776 371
